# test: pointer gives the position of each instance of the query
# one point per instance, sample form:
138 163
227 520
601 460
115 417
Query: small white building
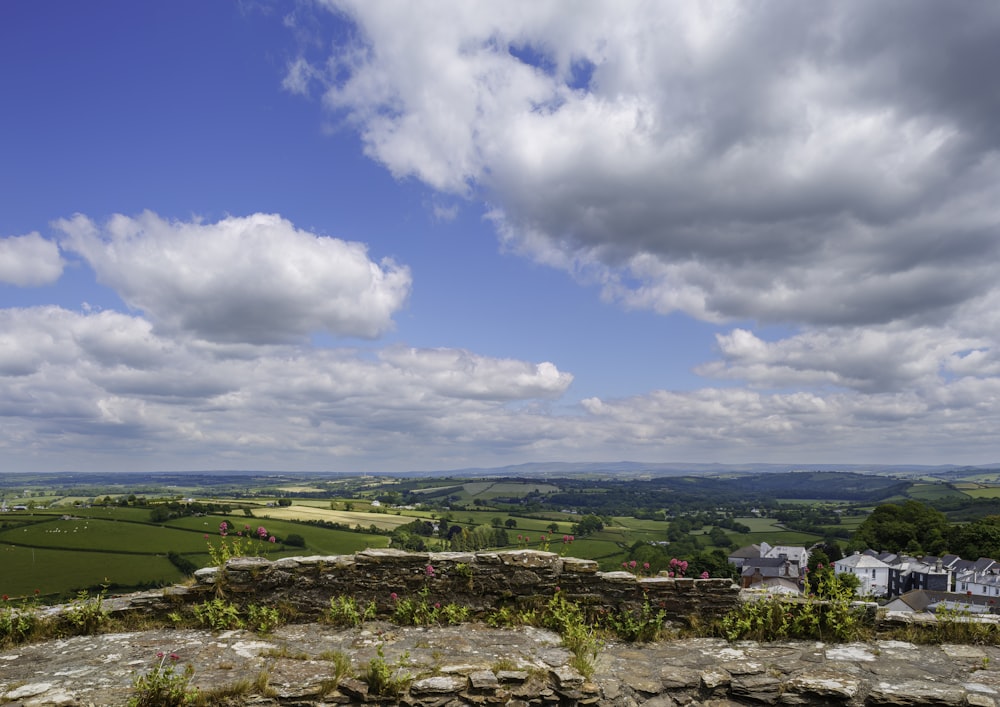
871 571
796 555
980 584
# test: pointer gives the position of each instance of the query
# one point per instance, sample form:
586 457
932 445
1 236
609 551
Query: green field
62 572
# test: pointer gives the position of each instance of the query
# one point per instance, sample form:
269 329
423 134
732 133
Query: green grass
106 535
984 492
61 572
933 492
319 541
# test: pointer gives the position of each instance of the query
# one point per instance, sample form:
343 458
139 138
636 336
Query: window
873 574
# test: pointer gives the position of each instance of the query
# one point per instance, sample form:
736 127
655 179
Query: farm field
56 572
386 521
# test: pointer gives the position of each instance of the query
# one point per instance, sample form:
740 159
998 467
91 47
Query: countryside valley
65 533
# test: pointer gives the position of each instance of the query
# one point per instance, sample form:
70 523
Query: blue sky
355 236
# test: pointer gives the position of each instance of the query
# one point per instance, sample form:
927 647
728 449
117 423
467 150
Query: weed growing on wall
163 685
347 611
87 615
386 679
830 614
19 623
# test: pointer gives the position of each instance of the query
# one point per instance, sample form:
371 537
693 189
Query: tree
510 524
911 526
587 525
284 501
295 540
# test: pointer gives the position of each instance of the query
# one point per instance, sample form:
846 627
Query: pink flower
625 565
631 564
205 536
645 565
159 654
429 570
272 539
5 597
262 532
704 575
174 656
437 605
670 574
394 596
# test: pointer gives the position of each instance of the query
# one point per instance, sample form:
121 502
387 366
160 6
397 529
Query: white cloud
255 280
29 260
107 381
728 160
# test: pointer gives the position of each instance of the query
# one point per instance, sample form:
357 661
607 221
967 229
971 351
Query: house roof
925 599
860 560
747 552
780 585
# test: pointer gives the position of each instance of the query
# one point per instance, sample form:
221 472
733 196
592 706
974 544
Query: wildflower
625 565
645 566
6 598
272 539
174 656
670 574
262 532
565 538
159 654
429 570
437 605
557 589
704 575
631 565
205 536
394 596
37 592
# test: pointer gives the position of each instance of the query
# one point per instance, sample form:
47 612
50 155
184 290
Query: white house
871 571
980 584
796 555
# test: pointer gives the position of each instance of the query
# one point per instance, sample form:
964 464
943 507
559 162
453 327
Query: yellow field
349 518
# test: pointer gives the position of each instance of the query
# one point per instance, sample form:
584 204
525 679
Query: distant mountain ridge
633 469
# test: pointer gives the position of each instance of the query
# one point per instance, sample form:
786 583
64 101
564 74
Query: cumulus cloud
255 279
29 260
108 381
732 161
868 360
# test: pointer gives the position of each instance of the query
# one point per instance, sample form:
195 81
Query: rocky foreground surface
477 665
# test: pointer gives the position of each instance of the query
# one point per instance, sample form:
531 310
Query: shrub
163 686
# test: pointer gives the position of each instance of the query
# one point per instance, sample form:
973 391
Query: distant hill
647 469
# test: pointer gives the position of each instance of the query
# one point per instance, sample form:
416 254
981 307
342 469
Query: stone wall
483 581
